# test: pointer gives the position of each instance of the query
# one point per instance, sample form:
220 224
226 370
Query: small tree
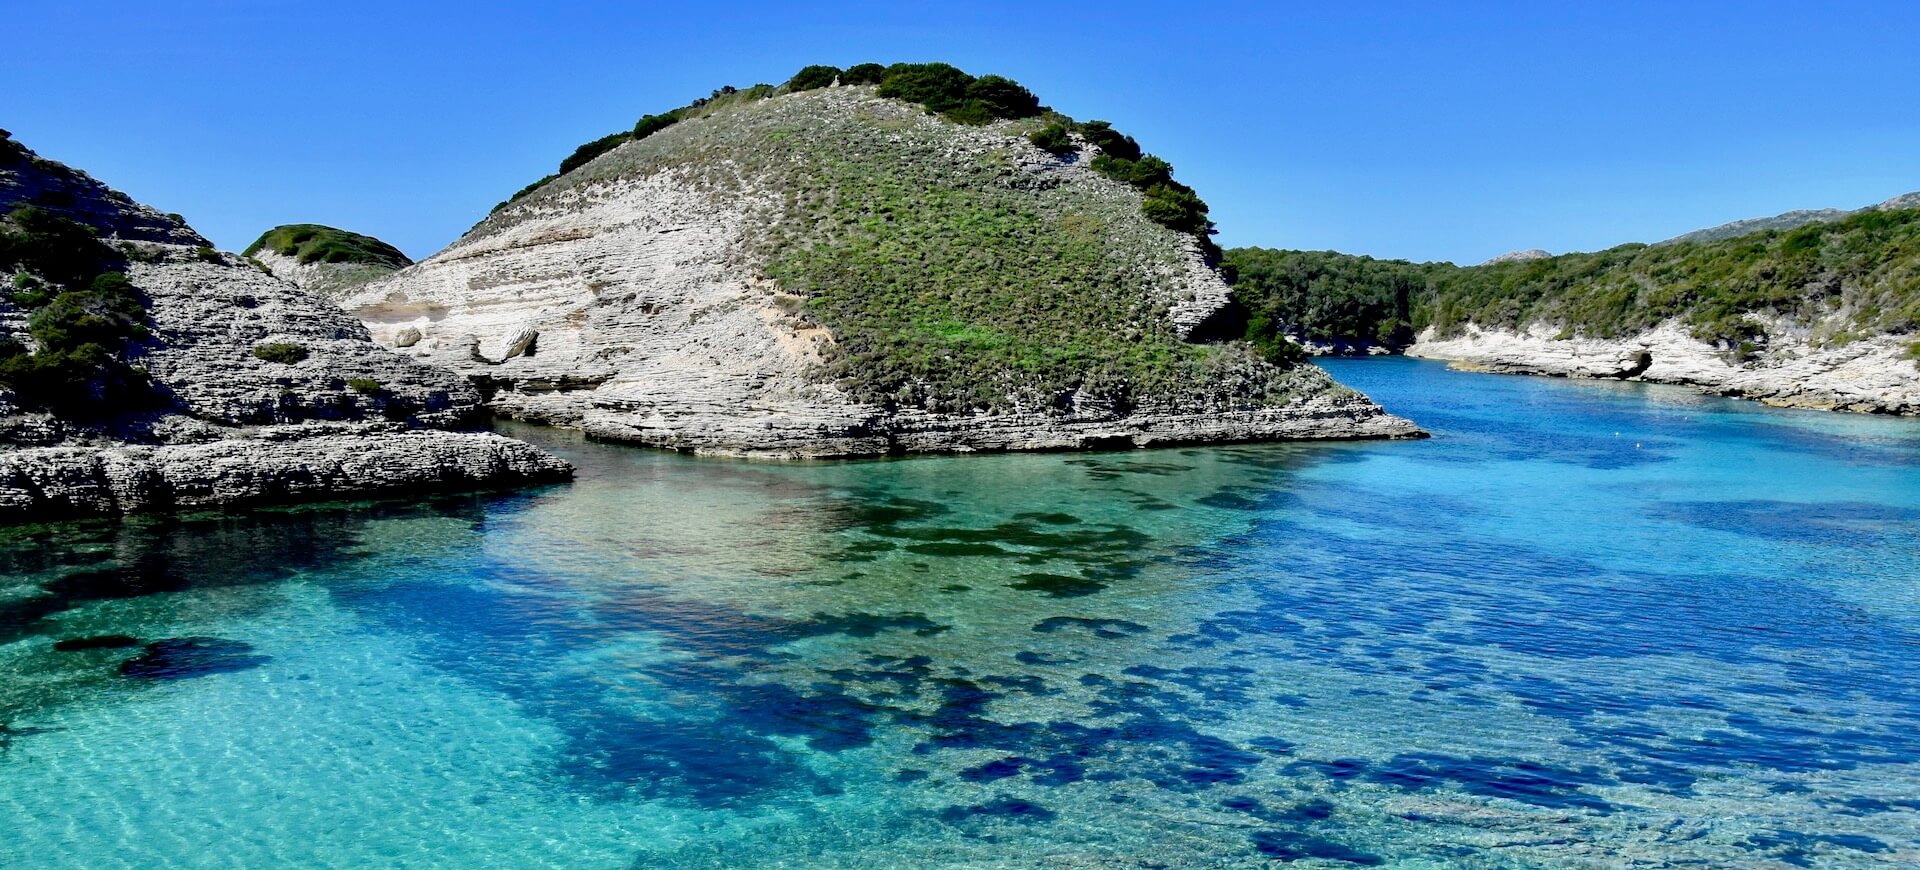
811 77
1053 139
1004 97
863 74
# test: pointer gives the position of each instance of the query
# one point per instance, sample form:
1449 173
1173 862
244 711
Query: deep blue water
1586 624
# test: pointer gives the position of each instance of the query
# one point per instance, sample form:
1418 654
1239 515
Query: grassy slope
950 277
1860 275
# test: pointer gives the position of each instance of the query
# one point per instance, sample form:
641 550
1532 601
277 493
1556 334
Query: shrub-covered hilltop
324 260
140 370
1762 314
865 260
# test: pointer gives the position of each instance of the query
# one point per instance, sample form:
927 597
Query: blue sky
1449 131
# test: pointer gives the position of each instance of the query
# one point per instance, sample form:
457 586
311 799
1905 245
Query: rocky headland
831 268
140 370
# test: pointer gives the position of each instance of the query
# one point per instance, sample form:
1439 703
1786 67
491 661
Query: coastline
1869 375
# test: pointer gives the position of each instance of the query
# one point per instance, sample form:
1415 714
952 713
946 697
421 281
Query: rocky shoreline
270 465
1869 375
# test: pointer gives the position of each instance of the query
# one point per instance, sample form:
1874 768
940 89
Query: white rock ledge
52 483
1869 375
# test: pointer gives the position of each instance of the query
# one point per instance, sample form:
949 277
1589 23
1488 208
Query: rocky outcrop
258 391
261 464
1874 374
632 298
1519 256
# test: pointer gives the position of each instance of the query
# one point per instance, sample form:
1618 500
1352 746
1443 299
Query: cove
1585 623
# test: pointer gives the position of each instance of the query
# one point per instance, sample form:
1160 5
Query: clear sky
1421 130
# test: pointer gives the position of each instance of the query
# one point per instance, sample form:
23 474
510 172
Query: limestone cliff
140 369
834 273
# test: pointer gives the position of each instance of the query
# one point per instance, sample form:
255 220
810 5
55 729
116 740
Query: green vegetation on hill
1866 268
962 98
951 275
83 316
314 243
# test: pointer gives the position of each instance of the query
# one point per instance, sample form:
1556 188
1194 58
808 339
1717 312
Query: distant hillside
1790 220
1824 315
1857 275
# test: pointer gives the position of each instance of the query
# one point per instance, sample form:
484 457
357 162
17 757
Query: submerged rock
181 658
104 641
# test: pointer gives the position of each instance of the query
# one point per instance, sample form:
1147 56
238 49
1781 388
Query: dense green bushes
1053 139
815 76
313 243
1327 297
1867 266
584 154
84 317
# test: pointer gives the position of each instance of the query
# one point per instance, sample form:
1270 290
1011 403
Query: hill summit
860 261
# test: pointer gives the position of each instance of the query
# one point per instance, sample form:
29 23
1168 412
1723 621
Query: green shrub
57 249
525 190
938 86
365 386
811 77
1003 97
283 352
584 154
863 74
1176 206
971 112
1053 139
1111 142
651 124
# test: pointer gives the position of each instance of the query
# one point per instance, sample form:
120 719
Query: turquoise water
1585 624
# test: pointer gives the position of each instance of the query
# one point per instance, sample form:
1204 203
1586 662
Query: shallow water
1585 623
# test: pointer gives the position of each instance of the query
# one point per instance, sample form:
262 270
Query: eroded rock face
631 300
223 424
1873 375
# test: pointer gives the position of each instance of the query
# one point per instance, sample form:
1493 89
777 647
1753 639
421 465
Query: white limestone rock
1873 375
